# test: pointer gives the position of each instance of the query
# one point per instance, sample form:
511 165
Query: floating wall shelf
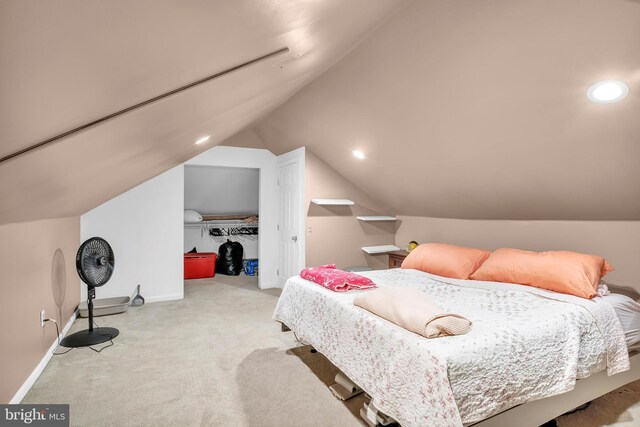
334 202
377 218
383 249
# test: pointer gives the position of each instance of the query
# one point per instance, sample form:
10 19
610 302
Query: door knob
294 238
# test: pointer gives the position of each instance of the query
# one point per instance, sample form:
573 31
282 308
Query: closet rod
218 224
142 104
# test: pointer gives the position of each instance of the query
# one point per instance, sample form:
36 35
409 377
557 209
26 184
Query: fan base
86 337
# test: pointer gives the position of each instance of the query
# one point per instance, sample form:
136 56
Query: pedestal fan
94 262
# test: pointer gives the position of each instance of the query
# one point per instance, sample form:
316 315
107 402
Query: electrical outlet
42 319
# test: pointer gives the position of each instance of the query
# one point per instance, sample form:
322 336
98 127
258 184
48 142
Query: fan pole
91 295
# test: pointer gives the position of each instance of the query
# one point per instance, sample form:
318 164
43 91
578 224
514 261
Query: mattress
628 312
525 344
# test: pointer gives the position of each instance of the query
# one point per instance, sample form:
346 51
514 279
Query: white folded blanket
413 310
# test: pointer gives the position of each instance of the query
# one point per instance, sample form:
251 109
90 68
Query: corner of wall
334 234
245 138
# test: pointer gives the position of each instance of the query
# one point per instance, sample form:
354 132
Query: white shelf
383 249
226 223
377 218
335 202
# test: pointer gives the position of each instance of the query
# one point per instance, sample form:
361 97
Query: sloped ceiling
477 109
228 191
68 62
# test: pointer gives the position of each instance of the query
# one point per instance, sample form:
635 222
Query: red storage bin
199 265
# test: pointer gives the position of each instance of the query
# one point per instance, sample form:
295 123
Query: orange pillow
445 260
560 271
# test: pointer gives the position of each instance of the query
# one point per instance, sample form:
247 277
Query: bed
526 344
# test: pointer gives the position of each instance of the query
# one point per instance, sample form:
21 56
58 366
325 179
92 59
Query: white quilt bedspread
525 344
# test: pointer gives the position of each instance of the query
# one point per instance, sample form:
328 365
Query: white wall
268 211
212 190
145 229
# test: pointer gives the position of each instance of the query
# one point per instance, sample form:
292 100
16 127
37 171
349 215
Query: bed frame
538 412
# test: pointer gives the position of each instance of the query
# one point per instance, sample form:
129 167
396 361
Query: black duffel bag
229 261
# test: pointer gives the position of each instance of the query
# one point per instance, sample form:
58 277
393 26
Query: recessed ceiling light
203 140
359 154
607 91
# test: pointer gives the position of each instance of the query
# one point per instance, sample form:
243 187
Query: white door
291 217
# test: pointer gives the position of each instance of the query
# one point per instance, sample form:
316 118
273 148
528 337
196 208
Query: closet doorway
268 164
222 207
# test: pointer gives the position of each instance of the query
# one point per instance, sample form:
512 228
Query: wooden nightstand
396 258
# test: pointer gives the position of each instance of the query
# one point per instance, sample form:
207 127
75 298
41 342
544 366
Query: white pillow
192 216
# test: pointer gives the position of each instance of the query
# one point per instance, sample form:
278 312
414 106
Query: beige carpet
217 359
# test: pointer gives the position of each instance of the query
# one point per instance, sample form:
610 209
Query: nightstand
396 258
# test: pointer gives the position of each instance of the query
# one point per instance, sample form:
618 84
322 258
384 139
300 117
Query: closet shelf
377 218
334 202
227 217
382 249
219 223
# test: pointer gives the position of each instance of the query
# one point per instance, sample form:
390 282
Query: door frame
267 162
296 156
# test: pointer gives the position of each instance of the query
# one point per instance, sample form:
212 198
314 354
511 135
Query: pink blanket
335 279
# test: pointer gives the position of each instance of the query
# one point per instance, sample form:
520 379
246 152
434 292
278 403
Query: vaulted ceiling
68 62
478 109
464 108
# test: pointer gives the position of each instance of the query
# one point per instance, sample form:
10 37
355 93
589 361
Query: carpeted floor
217 359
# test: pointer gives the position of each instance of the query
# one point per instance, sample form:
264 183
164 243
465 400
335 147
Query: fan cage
95 262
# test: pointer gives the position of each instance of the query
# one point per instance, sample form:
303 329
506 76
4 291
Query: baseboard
22 391
268 285
161 298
